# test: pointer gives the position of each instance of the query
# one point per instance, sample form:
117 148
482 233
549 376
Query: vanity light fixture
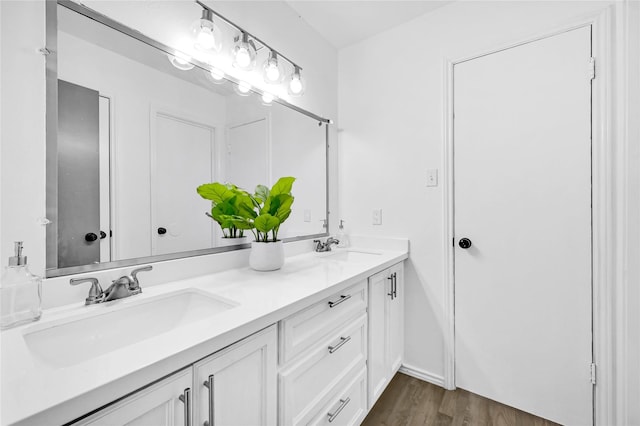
207 36
248 47
180 61
296 84
244 54
272 70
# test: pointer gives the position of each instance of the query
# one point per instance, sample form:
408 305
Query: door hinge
592 68
593 373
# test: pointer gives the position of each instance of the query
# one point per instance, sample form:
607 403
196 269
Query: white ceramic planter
224 242
266 256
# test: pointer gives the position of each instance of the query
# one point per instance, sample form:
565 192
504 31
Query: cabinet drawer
304 385
347 406
305 328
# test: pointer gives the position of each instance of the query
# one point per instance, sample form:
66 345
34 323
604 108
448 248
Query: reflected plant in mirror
228 203
135 135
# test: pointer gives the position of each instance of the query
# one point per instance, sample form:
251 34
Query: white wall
390 120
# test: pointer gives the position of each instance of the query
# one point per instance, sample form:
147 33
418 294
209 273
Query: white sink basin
351 256
110 328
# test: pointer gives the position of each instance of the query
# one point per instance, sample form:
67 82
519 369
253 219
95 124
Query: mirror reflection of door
248 154
83 175
182 159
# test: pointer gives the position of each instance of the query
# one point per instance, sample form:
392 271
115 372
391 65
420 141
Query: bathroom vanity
314 343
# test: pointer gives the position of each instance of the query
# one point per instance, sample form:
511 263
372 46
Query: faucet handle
95 292
134 274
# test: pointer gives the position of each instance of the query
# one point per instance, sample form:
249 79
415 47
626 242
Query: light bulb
216 74
206 35
296 84
267 98
180 61
272 70
244 54
243 88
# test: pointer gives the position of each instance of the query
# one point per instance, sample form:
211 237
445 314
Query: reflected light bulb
216 74
205 38
267 97
244 87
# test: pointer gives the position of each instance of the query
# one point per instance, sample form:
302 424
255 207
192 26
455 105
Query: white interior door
184 158
248 155
522 182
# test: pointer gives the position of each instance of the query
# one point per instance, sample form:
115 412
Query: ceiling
345 22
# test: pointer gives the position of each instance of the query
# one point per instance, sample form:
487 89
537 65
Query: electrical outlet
377 217
432 177
307 215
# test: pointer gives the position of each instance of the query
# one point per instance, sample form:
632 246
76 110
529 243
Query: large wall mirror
137 135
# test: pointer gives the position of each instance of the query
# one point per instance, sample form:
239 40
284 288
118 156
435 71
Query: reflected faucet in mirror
125 286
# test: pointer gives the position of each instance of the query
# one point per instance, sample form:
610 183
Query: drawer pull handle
343 340
343 403
186 399
339 301
209 385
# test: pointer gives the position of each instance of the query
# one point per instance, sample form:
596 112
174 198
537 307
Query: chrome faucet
125 286
325 246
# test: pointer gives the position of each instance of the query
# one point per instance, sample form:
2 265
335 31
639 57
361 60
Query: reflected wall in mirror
137 136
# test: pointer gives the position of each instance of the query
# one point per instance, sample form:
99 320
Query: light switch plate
307 215
432 177
377 217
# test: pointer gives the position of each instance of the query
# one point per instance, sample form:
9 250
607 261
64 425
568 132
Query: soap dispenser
20 292
342 236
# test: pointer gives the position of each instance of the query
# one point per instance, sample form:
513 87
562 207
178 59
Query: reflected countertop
35 392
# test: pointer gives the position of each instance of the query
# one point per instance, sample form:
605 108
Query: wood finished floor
409 401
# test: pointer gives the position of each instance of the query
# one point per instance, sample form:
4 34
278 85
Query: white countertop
35 392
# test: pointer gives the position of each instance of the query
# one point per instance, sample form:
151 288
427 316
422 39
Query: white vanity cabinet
323 361
386 328
165 403
234 386
237 386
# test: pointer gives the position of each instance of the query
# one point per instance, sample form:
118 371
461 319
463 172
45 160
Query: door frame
607 207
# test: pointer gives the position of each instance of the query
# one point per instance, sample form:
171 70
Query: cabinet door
378 371
395 312
237 386
158 405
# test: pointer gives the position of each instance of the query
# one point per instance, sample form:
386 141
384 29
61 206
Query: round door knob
90 237
103 235
464 243
162 231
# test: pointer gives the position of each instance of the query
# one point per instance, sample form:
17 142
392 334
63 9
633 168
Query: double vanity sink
78 357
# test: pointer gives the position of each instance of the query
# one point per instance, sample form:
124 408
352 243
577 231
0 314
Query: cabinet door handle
392 293
395 285
339 301
209 385
343 340
343 403
186 399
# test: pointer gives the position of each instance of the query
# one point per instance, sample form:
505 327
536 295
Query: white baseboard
422 375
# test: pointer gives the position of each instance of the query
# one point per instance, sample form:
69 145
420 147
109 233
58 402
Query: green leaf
284 209
244 205
215 192
265 222
262 193
282 186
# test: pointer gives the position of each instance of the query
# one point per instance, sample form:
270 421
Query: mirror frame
52 143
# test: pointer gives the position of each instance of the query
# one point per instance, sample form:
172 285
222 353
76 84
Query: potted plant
227 201
263 213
